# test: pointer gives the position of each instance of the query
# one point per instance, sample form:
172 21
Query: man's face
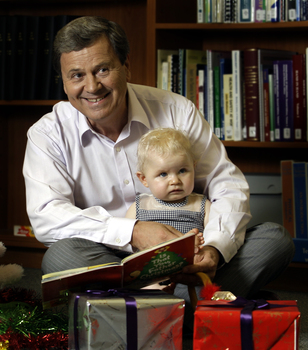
95 82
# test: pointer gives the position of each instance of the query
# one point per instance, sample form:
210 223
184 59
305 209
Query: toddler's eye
163 174
182 171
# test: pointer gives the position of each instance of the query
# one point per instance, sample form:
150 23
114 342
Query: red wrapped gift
245 324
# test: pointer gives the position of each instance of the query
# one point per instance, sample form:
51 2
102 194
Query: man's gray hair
83 32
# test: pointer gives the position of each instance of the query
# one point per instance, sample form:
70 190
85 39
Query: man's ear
142 178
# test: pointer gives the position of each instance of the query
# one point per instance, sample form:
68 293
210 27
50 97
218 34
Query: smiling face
95 82
170 178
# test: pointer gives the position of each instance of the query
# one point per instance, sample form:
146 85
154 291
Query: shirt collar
135 114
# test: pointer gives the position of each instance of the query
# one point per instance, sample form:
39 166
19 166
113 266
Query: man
80 171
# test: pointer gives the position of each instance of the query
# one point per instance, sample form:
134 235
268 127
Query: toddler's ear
142 178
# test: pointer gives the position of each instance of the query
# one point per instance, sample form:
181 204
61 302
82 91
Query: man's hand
205 261
147 234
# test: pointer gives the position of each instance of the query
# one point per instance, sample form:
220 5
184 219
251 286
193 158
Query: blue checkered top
184 216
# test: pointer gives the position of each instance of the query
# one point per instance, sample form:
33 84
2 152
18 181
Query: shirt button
126 182
118 240
118 149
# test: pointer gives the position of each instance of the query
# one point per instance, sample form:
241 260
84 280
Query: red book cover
299 85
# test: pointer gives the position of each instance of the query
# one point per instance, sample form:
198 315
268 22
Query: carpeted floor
32 280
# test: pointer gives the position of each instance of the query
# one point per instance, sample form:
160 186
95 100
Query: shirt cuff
119 233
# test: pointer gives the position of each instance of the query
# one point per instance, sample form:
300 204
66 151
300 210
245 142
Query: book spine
260 11
217 118
291 10
200 11
299 180
228 107
277 98
225 68
246 11
251 82
274 10
286 167
201 90
237 96
227 11
266 104
304 10
286 71
299 85
272 106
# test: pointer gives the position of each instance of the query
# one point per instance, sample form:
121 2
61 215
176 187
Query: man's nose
93 84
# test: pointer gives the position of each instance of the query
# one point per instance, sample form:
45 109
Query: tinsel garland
25 325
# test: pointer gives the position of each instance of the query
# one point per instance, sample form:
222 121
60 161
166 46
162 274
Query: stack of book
253 94
247 11
26 57
294 181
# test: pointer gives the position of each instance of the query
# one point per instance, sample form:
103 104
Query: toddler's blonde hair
163 142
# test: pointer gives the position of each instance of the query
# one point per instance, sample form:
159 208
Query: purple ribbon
131 312
246 316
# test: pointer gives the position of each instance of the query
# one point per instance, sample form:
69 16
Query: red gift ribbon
246 316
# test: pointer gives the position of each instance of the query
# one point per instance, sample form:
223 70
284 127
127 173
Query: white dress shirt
80 183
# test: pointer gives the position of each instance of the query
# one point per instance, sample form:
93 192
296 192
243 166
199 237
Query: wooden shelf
279 145
28 102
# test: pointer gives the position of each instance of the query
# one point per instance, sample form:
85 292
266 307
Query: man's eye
163 174
103 71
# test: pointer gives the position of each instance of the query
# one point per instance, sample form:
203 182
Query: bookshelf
17 116
172 25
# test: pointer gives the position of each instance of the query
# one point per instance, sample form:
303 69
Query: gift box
243 324
125 319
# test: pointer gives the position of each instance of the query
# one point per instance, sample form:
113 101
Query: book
137 270
228 106
300 199
260 11
266 104
200 11
202 88
10 73
237 66
225 68
213 61
217 116
300 105
227 11
286 69
192 59
255 60
283 92
173 68
162 56
2 54
32 55
288 210
246 11
272 106
273 8
44 57
20 62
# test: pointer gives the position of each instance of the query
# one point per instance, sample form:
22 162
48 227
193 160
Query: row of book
252 94
248 11
26 57
294 183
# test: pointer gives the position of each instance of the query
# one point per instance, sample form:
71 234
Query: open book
138 270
